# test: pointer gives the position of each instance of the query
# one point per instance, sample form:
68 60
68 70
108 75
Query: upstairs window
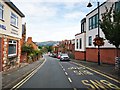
93 22
82 27
14 20
1 11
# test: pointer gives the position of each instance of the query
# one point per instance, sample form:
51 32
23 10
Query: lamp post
90 5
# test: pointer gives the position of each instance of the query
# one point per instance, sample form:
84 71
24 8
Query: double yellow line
18 85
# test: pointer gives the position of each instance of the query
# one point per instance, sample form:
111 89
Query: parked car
64 57
59 55
55 55
51 54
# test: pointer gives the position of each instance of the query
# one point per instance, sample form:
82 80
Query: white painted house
107 52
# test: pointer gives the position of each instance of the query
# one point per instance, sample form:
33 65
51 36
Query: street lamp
90 5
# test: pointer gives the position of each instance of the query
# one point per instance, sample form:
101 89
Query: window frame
15 17
80 43
2 9
90 41
12 42
82 28
77 46
93 22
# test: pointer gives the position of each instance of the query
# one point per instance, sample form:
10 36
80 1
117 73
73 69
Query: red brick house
23 57
67 46
33 44
10 35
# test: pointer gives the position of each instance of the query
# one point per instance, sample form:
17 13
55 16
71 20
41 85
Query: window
80 43
117 5
77 43
12 49
82 27
93 22
14 19
90 40
1 11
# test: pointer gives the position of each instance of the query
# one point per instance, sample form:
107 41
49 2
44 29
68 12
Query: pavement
13 76
107 69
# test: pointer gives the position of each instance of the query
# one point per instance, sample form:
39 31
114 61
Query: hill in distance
47 43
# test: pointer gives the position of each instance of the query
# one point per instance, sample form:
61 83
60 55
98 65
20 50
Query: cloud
52 19
74 15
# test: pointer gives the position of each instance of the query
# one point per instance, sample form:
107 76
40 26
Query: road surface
61 74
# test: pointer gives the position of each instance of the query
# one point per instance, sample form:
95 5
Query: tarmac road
56 74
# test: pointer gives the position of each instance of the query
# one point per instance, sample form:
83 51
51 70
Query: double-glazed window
90 41
93 22
1 11
14 19
80 41
12 49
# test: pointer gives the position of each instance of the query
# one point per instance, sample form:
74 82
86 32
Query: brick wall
79 55
106 55
23 58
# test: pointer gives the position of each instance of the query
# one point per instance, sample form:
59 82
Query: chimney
29 40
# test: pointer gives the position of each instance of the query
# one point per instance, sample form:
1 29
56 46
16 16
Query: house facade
88 50
10 34
80 42
67 46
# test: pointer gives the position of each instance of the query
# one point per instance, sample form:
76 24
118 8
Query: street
67 74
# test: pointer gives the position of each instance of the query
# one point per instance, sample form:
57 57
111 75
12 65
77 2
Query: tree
27 48
110 25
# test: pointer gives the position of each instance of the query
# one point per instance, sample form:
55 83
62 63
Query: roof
80 33
83 20
11 5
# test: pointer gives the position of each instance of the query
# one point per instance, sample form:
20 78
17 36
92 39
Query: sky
53 20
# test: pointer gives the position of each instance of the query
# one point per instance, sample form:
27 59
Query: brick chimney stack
29 40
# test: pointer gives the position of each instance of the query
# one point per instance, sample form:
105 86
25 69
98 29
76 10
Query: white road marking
61 65
69 79
98 72
63 69
74 88
66 73
27 78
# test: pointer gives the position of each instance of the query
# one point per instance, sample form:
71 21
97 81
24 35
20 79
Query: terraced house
84 47
10 34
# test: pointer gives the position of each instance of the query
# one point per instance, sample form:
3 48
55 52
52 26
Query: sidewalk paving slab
10 78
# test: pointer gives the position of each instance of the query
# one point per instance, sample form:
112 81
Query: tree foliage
27 48
110 25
